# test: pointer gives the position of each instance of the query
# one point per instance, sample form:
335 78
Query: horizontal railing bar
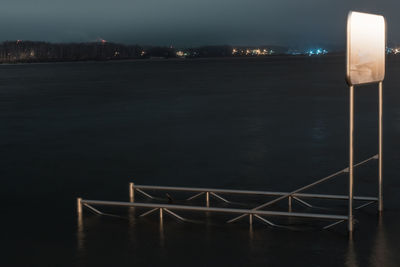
341 197
250 192
213 209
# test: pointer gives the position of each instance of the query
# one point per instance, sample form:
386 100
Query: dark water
88 129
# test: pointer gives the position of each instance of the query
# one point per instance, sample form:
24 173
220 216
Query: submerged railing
256 212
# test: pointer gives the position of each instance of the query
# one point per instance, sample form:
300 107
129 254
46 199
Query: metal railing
256 212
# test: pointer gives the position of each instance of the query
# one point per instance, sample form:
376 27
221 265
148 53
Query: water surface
88 129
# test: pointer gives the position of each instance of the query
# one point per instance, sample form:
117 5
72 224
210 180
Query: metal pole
251 219
207 199
132 192
290 203
161 214
380 206
79 205
351 159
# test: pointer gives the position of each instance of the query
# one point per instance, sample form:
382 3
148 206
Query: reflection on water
381 253
131 221
198 130
351 257
161 229
80 234
251 233
131 216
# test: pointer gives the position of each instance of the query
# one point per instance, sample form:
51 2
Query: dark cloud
189 22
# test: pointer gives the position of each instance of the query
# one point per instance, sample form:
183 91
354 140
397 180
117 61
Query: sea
88 129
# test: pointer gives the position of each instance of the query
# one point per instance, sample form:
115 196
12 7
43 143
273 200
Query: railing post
380 205
251 219
132 192
161 213
207 199
79 205
290 203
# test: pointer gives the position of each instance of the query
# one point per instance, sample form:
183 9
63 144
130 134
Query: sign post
366 44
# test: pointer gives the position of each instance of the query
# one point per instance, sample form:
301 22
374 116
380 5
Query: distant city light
318 51
181 53
101 40
393 51
256 52
251 52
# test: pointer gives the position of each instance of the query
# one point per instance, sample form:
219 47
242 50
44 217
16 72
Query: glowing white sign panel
366 44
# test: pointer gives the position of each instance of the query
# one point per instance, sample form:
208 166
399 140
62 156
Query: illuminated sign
366 45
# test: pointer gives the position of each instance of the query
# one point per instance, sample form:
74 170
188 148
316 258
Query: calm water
88 129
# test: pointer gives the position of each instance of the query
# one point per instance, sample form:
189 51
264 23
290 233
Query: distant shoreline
28 52
157 59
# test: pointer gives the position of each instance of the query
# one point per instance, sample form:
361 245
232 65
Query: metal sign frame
378 38
366 45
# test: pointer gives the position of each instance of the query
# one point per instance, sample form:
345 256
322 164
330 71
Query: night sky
294 23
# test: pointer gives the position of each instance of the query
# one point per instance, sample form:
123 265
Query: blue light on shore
318 51
310 52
